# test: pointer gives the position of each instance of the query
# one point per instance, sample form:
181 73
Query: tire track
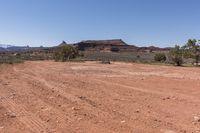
31 121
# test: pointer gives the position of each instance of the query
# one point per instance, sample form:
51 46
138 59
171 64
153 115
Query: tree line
190 50
177 54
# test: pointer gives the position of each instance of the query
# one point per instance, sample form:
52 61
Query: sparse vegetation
121 56
10 60
176 55
187 55
160 57
66 53
192 50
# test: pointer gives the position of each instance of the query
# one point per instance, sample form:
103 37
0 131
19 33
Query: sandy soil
97 98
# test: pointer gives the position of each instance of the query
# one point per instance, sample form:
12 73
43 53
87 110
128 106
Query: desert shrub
192 50
10 61
160 57
176 54
66 53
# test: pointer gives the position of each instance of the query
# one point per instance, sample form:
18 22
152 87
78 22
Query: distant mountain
18 48
113 45
2 49
5 47
116 42
105 45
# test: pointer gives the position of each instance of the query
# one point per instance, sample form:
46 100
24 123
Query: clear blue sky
141 22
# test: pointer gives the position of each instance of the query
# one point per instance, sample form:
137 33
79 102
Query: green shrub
160 57
66 53
176 55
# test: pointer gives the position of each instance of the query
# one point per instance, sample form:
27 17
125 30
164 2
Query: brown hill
114 45
105 45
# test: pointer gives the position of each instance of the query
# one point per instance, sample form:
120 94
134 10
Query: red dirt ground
97 98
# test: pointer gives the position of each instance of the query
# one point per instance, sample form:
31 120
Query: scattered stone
5 83
123 121
51 97
45 109
73 108
11 97
166 98
196 118
157 120
82 97
137 111
148 106
11 114
183 131
79 119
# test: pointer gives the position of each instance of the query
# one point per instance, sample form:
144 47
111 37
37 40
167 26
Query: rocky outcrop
115 45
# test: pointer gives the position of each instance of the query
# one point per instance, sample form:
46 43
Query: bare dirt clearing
97 98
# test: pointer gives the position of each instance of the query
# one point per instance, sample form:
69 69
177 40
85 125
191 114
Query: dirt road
97 98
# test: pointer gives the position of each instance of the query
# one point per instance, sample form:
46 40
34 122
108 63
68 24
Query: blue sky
138 22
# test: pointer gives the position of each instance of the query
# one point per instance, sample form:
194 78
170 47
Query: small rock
157 120
137 111
73 108
5 84
51 97
166 98
11 115
11 97
123 121
183 131
79 119
196 118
